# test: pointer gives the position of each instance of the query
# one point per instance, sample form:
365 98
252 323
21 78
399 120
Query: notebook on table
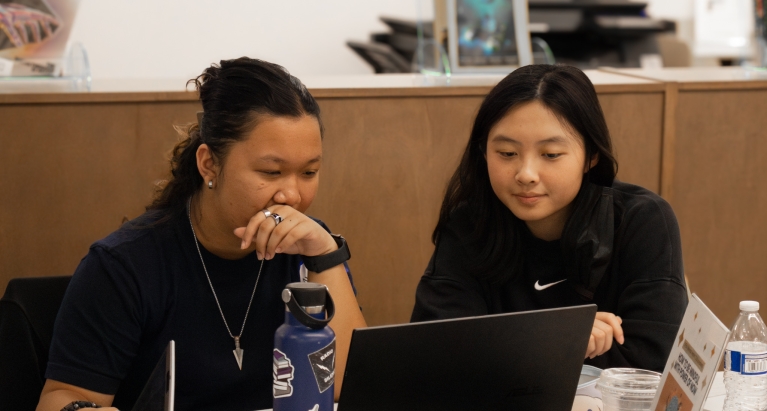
528 361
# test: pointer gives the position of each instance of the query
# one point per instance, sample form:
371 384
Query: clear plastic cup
627 389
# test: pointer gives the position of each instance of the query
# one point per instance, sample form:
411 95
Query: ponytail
185 177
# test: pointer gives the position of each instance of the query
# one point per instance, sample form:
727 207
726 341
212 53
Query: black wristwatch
320 263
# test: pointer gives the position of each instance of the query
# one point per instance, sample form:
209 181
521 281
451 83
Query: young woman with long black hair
533 218
206 264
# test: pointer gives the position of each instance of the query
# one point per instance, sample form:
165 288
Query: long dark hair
569 94
234 95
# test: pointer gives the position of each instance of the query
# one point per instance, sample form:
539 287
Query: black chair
27 313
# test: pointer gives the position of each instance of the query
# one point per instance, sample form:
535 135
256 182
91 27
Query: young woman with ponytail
533 218
208 260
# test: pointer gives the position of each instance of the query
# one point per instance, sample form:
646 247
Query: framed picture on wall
488 36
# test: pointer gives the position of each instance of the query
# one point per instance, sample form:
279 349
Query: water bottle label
283 372
324 365
745 363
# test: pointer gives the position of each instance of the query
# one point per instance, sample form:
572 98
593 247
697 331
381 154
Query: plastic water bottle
745 361
305 351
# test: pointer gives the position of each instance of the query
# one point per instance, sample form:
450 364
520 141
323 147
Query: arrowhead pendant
238 352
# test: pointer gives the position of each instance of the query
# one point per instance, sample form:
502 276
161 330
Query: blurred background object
542 53
583 33
594 33
430 58
381 56
760 33
34 37
724 30
408 46
393 51
179 38
674 51
487 36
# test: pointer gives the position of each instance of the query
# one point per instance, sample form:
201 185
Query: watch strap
320 263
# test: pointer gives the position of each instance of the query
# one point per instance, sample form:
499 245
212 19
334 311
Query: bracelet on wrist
77 405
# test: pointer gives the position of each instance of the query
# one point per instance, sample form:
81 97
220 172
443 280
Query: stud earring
210 184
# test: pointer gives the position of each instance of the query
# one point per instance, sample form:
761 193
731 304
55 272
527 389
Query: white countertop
603 76
695 74
134 85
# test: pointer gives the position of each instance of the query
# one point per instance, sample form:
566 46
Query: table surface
714 402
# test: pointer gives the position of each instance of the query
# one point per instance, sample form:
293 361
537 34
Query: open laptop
159 392
528 361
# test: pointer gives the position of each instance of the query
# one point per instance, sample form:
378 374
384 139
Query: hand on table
296 234
607 327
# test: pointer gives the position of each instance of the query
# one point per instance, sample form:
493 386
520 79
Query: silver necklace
238 352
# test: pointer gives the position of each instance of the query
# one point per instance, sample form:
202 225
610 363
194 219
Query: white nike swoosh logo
543 287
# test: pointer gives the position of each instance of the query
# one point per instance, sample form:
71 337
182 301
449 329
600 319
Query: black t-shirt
144 285
644 283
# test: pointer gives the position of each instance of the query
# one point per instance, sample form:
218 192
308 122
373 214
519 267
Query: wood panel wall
635 121
72 172
75 169
387 164
720 193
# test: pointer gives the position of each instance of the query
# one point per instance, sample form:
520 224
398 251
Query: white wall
179 38
670 9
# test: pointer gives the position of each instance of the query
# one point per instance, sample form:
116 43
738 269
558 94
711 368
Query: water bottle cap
308 294
303 299
749 306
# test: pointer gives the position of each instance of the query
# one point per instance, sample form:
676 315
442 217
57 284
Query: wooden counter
716 183
76 164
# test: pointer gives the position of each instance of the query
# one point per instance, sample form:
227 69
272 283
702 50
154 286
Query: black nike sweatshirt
643 284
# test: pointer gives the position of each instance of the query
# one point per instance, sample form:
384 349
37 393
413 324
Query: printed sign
693 361
324 365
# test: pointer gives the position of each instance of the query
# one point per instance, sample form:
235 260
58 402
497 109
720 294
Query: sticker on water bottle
745 363
282 371
324 365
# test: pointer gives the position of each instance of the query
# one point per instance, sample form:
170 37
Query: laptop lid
159 392
529 361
